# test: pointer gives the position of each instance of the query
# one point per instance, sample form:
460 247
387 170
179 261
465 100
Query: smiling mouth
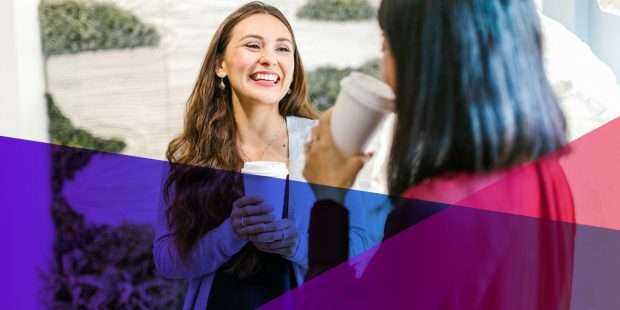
265 78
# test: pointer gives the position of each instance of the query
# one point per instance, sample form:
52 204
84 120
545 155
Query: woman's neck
256 121
261 131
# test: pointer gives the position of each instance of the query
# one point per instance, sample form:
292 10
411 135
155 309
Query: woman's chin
271 99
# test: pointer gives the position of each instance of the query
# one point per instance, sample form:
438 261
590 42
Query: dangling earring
222 85
289 91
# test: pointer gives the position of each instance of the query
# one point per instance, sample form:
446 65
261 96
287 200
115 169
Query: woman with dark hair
249 103
477 125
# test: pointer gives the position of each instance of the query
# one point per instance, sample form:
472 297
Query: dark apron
273 277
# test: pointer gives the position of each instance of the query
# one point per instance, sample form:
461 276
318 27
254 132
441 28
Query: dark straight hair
471 90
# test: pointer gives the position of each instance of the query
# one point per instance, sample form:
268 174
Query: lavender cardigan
221 243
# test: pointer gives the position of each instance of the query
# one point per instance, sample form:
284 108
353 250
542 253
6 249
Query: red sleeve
536 189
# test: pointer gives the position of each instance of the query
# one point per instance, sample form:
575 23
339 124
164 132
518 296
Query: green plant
324 82
337 10
63 132
104 267
73 26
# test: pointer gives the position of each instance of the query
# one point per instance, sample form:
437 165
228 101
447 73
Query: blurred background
113 76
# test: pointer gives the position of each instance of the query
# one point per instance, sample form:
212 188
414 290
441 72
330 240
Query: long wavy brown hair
203 180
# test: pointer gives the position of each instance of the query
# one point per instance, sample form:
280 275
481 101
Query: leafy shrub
105 267
73 26
337 10
95 266
63 132
324 82
100 266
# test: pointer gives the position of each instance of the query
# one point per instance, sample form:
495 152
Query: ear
220 69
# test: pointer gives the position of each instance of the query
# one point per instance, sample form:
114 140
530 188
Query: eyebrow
255 36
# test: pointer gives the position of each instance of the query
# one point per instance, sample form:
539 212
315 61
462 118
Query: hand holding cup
326 164
281 238
249 215
363 103
328 169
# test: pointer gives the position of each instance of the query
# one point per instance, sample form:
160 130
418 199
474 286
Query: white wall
573 14
22 104
605 36
597 28
562 11
24 168
8 71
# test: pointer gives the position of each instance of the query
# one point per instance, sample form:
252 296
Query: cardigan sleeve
215 248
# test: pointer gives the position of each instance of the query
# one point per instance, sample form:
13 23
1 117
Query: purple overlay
78 225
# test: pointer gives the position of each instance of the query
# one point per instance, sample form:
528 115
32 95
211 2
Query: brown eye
253 45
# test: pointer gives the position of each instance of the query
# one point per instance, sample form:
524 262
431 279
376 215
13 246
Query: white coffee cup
266 179
362 105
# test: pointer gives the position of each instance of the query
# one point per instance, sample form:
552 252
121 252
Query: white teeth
266 77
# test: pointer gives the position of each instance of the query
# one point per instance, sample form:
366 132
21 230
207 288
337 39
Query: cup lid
265 167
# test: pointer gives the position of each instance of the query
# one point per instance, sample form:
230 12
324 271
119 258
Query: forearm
329 236
209 253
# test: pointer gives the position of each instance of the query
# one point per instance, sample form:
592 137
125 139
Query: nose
268 59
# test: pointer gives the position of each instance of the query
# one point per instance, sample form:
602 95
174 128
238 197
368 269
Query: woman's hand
280 237
328 169
250 215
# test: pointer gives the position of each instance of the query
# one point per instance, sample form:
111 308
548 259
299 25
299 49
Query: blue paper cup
266 180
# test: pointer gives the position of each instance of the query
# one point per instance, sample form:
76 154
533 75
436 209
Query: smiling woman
258 64
249 103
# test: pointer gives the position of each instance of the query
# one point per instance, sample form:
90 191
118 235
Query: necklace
270 142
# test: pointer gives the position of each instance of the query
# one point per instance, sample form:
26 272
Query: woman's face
259 60
389 67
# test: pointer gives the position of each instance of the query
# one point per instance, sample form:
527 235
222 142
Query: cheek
288 67
389 71
240 62
288 64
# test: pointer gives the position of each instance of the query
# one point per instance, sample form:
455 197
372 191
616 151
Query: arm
209 253
367 214
364 216
330 174
329 237
303 200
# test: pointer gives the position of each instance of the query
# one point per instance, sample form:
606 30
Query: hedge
337 10
324 82
73 26
104 267
63 132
